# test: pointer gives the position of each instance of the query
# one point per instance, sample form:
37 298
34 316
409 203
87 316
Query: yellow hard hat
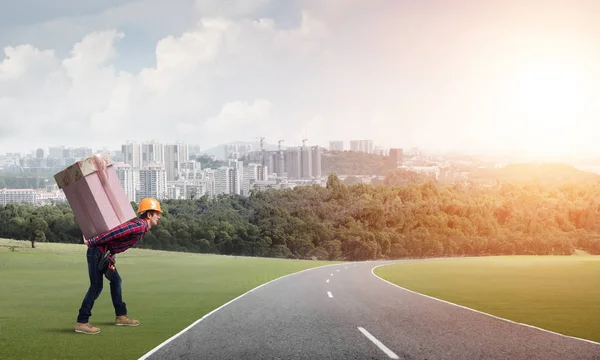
149 204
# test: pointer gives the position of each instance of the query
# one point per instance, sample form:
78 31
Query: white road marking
338 270
327 281
384 348
331 274
480 312
149 353
329 294
346 267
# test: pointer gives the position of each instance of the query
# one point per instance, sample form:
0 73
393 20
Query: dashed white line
384 348
329 294
331 274
345 267
327 281
338 270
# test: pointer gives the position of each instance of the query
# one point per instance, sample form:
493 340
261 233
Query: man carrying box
101 260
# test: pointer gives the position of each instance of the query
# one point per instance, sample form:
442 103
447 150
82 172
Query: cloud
82 99
207 71
241 116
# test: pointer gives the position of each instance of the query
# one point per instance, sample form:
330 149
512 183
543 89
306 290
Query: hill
355 163
544 173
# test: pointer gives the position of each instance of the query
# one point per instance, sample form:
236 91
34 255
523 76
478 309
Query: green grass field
560 294
41 291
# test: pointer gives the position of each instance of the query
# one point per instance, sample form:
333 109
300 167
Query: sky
447 75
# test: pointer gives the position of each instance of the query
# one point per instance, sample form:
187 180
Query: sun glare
549 98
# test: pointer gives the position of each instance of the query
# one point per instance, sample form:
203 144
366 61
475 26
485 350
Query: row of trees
24 181
357 222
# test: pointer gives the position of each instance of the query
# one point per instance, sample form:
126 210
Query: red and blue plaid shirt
122 237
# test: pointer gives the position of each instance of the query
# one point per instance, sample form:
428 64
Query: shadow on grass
70 330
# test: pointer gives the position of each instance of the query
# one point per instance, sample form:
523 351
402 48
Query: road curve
346 312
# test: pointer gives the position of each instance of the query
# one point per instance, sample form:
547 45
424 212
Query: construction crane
279 144
304 142
262 151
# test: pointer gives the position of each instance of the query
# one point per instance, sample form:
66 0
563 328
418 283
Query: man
114 241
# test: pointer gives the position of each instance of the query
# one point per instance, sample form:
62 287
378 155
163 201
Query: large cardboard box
95 194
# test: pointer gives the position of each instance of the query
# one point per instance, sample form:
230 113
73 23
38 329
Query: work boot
86 328
126 321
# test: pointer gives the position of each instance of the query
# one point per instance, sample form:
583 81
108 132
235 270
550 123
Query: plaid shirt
122 237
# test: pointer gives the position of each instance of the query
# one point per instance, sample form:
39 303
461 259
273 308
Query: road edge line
480 312
158 347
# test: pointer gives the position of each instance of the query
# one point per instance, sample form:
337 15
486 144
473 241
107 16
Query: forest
358 222
355 163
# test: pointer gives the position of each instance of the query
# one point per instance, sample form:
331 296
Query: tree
38 228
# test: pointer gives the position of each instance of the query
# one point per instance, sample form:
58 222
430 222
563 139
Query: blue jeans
96 283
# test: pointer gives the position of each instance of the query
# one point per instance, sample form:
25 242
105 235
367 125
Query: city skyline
195 71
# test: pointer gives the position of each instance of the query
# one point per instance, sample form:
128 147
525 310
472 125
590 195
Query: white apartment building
153 182
175 156
224 181
252 174
366 146
210 182
17 196
153 152
132 154
174 191
238 175
186 189
129 178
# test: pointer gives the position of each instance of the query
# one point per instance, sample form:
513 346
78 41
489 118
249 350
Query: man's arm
113 234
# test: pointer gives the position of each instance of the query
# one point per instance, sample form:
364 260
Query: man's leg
96 284
117 298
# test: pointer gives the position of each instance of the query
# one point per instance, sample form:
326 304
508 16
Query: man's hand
85 241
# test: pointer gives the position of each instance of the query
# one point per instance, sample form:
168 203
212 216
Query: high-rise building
305 163
175 155
293 163
365 146
153 182
153 152
238 175
224 180
129 178
132 154
337 145
396 157
316 162
252 174
278 166
210 181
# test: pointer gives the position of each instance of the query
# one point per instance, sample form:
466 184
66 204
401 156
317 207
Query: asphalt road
346 312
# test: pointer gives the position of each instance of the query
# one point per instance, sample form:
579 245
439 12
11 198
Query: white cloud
208 71
83 100
240 115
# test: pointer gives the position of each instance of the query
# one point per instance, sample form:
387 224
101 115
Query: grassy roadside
557 293
41 290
